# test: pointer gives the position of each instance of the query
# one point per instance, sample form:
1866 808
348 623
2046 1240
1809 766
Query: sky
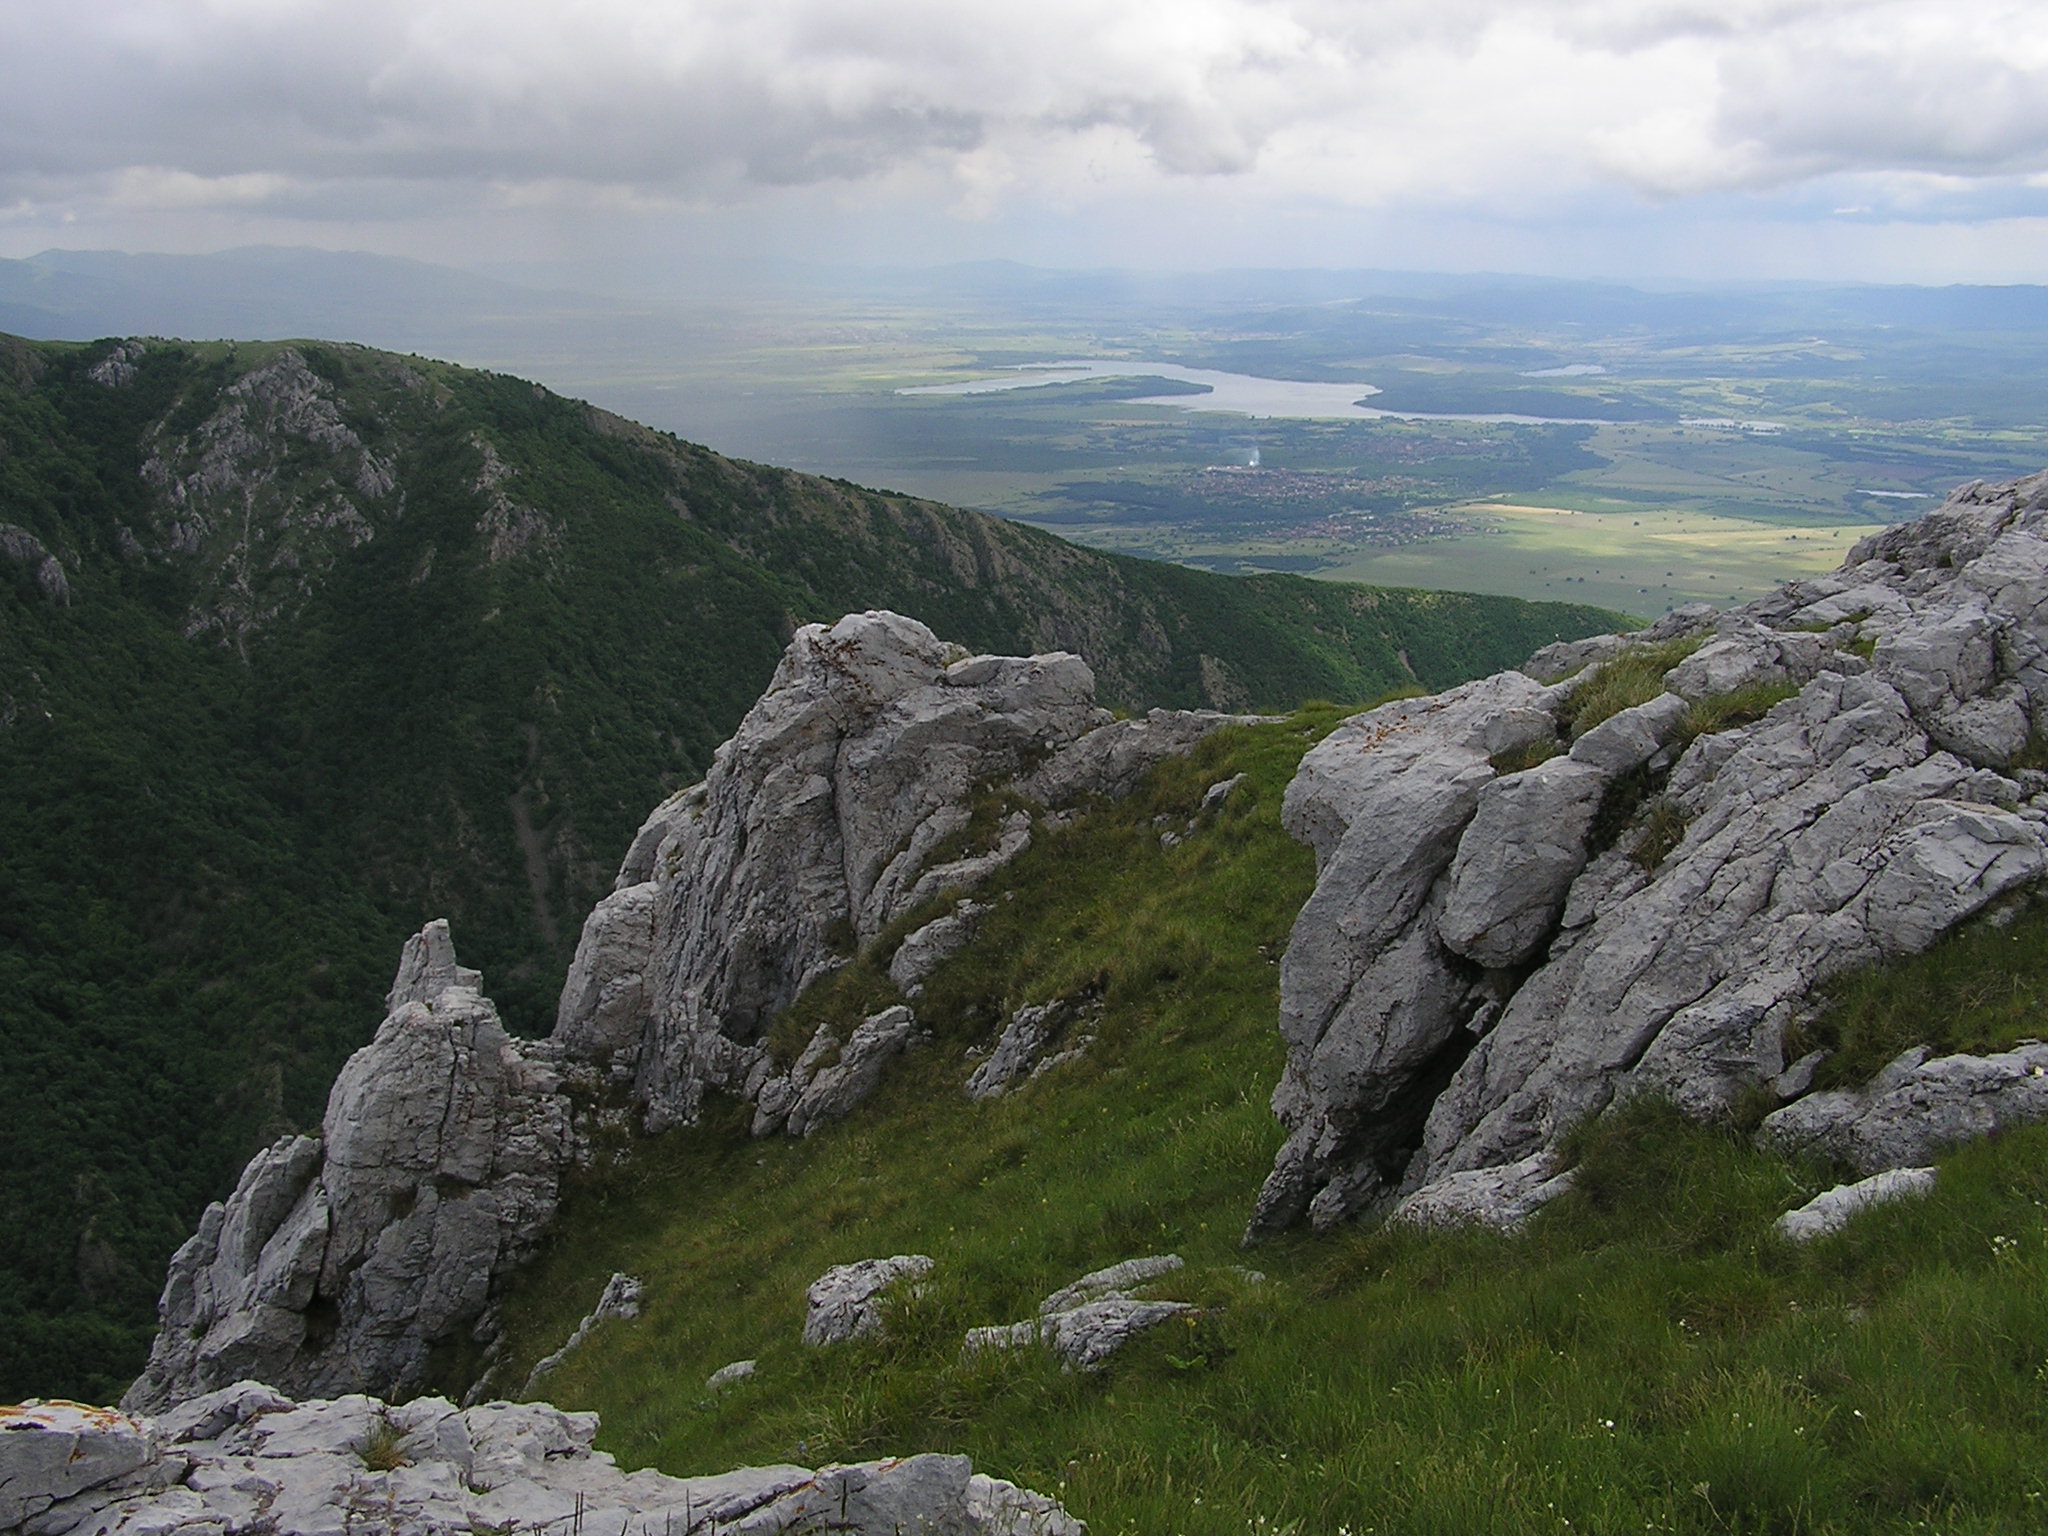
1692 140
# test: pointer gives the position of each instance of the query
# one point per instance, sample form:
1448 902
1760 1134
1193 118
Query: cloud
1470 104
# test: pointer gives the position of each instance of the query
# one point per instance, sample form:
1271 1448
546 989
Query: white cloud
1493 108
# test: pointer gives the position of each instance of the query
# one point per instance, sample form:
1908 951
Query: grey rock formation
620 1299
832 1077
726 1375
604 999
1832 1209
51 1451
1526 844
1502 1198
1025 1047
27 551
247 1459
340 1261
1115 1282
1488 958
427 967
1084 1337
844 801
846 1301
1915 1108
1088 1321
1214 796
925 949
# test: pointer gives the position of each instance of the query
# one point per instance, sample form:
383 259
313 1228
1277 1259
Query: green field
1641 563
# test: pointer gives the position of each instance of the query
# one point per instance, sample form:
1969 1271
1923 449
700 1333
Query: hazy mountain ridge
354 639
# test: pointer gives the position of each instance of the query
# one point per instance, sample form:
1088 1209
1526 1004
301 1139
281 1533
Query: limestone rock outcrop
1037 1038
620 1299
1088 1321
247 1458
832 1076
26 550
1832 1209
847 797
846 1301
1495 950
340 1261
1915 1108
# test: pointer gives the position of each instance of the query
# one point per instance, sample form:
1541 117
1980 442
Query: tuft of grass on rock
1984 988
1634 677
1740 706
382 1448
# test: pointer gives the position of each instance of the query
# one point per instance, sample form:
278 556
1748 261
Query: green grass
1982 989
1634 677
1741 706
1646 1356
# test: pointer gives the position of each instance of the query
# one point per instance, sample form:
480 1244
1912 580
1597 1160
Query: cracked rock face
1489 957
247 1458
341 1260
844 801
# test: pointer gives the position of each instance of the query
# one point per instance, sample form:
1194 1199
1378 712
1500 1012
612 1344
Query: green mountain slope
1646 1355
303 645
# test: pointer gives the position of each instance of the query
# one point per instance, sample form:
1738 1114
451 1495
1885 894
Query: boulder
1832 1209
1116 1281
1487 959
846 1301
1026 1047
247 1459
1502 1198
1088 1321
341 1261
1915 1108
831 1078
726 1375
925 949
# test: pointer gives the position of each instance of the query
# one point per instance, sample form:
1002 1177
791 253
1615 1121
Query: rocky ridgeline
845 800
1517 919
249 1459
342 1262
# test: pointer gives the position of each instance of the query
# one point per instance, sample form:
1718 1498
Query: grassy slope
209 855
1646 1356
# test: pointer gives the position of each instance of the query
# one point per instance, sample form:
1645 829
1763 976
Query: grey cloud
710 97
1812 109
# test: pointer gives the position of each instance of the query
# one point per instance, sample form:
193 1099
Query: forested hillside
302 645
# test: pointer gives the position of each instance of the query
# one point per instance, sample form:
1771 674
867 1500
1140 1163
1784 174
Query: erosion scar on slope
534 847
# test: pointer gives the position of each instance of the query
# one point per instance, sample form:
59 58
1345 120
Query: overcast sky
1886 139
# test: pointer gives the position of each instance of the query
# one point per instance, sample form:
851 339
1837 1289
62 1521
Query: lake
1241 394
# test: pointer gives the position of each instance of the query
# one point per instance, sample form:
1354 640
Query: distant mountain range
279 292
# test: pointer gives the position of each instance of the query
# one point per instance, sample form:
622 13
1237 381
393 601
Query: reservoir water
1241 394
